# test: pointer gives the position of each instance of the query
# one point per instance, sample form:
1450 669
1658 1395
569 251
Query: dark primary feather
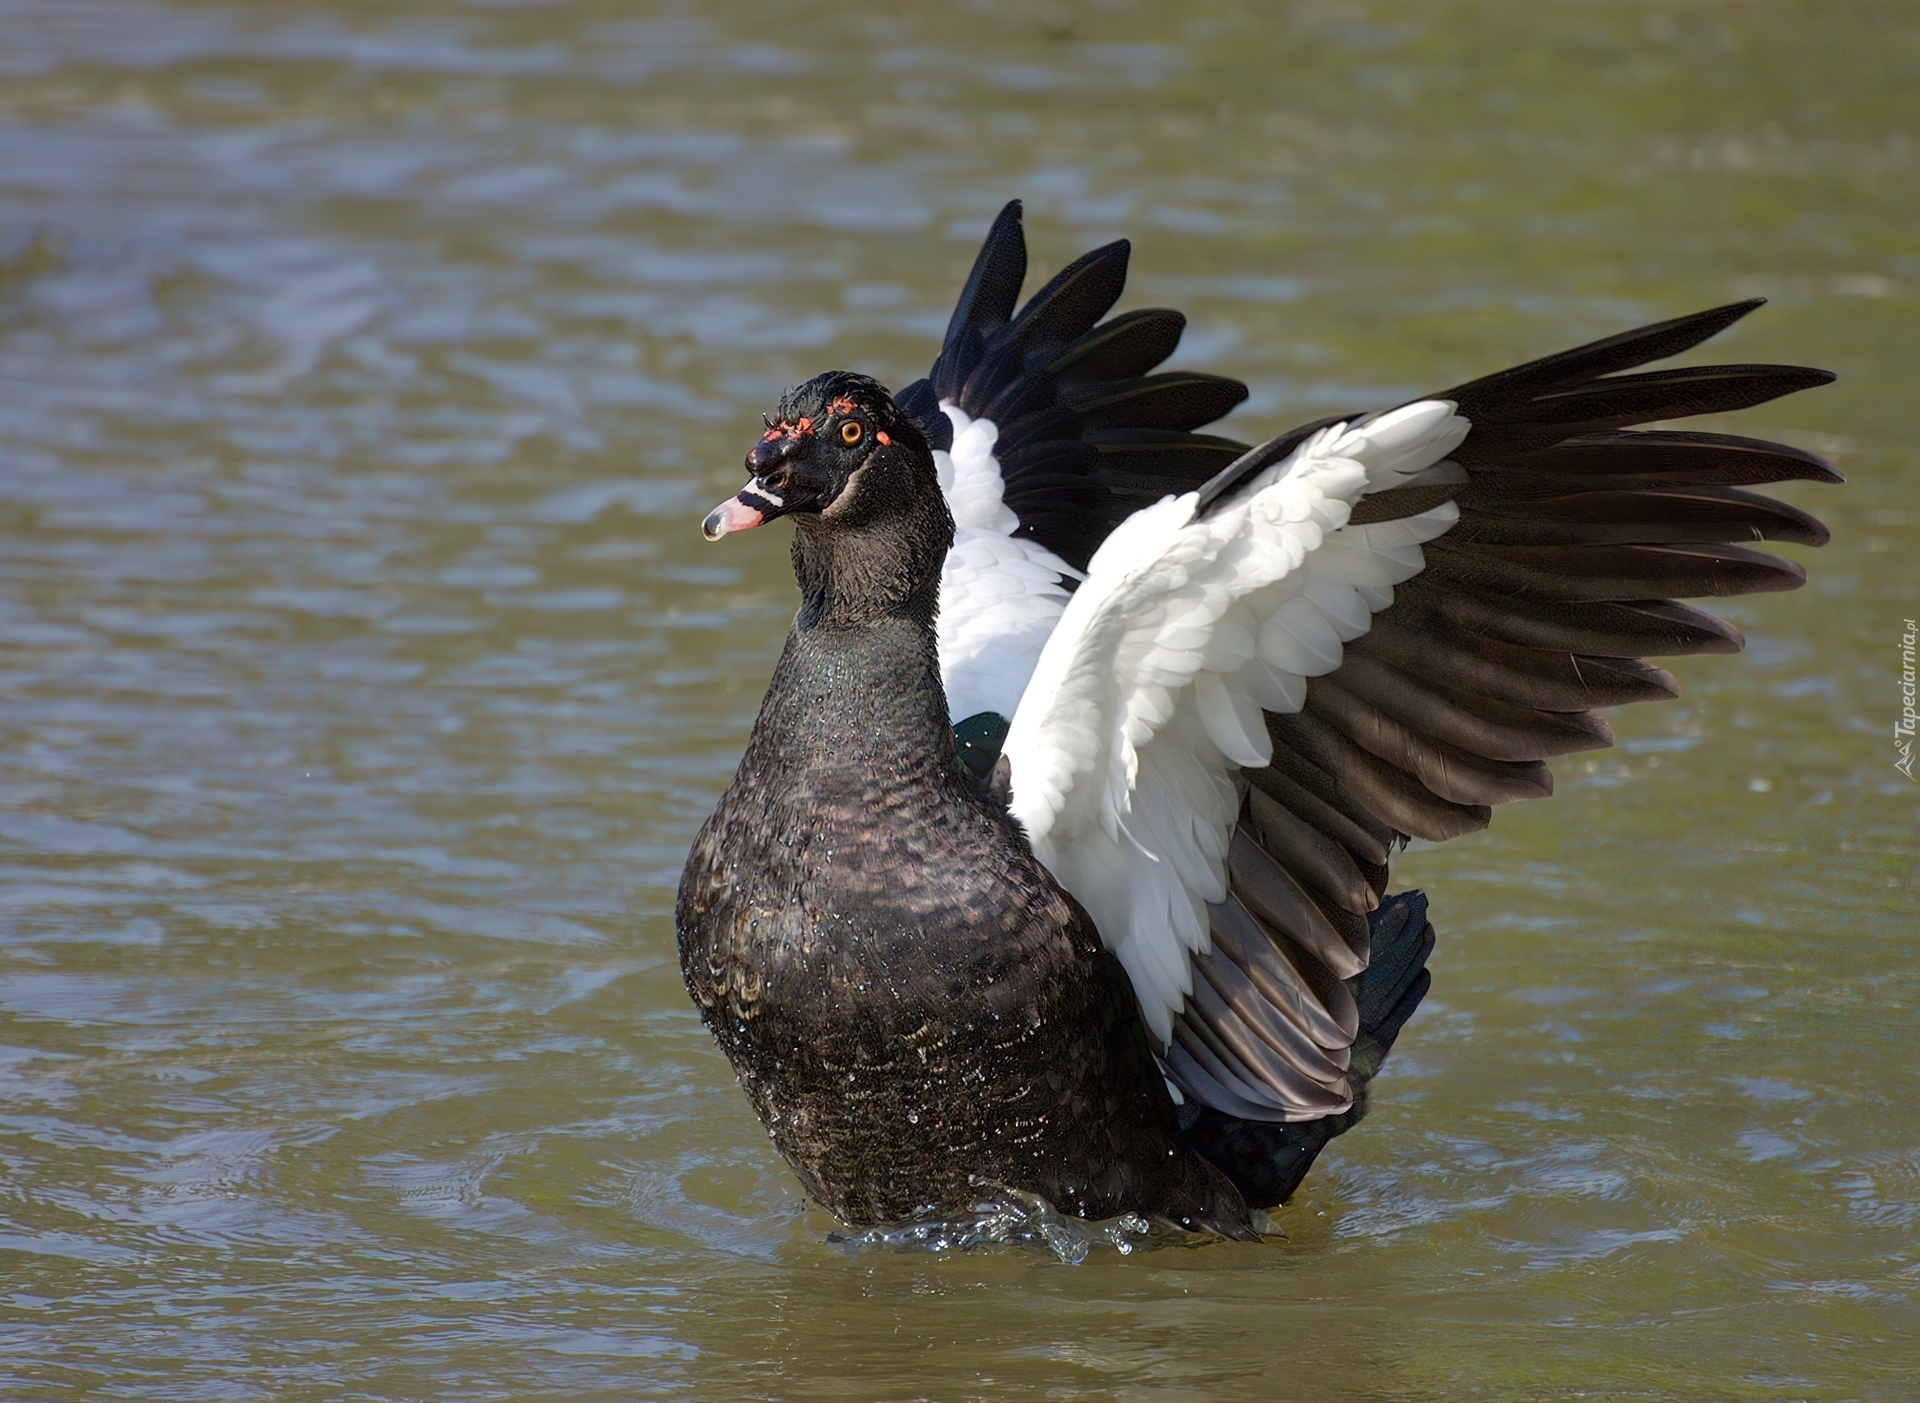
1646 458
1270 892
1612 572
1453 712
1179 401
1485 399
1523 636
1660 517
1313 858
1055 379
986 301
1354 830
1025 405
1662 394
1130 344
1053 319
1154 462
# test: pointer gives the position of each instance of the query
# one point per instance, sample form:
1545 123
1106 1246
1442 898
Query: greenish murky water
364 369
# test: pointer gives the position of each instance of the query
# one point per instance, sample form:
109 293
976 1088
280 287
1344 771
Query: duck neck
853 576
858 688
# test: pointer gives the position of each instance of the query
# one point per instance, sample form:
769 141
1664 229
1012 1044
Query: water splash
1007 1217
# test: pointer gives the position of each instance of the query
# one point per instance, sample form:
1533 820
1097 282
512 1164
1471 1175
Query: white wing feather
1149 690
1000 594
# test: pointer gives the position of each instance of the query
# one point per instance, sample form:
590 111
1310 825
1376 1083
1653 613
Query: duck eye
851 432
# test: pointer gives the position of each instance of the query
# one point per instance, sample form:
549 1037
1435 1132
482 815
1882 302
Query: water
1008 1217
364 371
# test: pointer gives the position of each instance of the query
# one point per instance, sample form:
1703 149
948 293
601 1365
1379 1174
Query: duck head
857 476
837 447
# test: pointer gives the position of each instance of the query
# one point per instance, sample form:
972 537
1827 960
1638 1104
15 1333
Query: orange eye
851 433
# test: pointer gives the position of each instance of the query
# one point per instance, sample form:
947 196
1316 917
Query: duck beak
755 504
734 514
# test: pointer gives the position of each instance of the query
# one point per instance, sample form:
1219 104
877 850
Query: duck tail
1266 1160
1394 982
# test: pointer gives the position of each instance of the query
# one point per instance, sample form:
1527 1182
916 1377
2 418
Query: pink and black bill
749 508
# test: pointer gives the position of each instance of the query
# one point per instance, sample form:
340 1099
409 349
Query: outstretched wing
1195 620
1366 633
1048 432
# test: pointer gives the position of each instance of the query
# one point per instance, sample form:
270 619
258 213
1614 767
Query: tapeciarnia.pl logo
1903 728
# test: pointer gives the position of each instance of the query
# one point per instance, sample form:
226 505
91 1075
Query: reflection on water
363 370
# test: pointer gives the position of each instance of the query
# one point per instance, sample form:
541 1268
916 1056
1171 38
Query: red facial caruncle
783 429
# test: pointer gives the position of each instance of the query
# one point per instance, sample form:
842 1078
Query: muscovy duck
1121 936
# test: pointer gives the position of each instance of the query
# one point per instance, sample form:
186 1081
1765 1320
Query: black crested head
820 444
857 477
